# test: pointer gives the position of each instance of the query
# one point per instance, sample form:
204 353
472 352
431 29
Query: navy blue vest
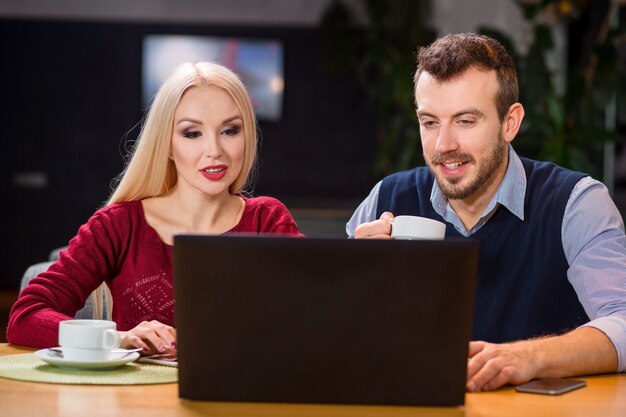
522 289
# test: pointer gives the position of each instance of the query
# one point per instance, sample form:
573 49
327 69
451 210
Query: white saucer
118 357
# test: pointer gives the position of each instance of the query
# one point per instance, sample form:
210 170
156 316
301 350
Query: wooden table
604 396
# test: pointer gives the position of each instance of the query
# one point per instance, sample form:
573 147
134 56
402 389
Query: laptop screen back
279 319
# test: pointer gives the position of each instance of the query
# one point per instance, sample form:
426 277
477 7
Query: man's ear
512 121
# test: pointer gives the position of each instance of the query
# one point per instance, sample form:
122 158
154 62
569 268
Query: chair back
87 312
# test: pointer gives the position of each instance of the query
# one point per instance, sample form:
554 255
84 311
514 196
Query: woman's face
208 140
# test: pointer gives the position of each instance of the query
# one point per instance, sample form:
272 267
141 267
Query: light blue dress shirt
593 241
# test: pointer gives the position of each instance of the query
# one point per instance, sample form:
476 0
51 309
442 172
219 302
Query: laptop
323 320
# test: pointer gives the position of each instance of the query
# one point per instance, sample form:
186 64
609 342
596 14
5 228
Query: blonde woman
188 172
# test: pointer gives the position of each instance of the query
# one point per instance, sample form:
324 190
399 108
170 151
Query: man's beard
489 166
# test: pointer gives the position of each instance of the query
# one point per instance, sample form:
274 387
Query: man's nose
446 140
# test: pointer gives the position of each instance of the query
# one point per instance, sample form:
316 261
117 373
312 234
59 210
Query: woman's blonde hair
150 172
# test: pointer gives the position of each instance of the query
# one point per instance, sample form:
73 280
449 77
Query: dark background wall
70 103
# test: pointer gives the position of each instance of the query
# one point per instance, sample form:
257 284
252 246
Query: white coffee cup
88 340
415 227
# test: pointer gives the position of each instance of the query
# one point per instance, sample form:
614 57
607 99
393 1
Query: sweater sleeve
279 221
58 293
267 215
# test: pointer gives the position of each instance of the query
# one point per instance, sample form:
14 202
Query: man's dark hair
451 55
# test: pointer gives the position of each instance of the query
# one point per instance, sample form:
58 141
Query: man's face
461 133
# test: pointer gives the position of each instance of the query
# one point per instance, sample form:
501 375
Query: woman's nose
212 147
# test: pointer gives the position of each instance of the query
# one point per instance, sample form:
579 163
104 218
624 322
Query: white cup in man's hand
88 340
415 227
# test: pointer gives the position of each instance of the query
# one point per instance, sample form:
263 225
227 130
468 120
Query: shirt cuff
615 329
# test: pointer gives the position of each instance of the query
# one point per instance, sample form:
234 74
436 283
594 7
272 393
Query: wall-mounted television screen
259 64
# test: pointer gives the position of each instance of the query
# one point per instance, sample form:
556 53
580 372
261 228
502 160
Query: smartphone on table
167 359
551 386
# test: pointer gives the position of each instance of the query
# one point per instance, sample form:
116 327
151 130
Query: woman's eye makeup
192 134
228 130
231 130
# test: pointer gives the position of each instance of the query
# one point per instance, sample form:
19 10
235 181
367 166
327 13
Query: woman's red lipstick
214 172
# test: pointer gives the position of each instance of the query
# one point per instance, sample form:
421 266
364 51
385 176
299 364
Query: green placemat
26 367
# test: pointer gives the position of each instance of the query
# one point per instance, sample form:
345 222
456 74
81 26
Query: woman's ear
512 121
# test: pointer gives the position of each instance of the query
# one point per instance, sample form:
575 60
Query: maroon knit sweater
117 246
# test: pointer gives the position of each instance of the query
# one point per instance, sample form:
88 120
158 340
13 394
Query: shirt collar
510 194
